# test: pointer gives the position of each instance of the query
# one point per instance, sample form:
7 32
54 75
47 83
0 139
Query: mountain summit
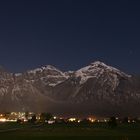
97 69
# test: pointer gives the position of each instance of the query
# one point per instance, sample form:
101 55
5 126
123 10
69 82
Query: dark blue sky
69 34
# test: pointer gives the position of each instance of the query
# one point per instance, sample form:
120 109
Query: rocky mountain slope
95 89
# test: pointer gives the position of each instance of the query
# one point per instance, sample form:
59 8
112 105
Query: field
96 131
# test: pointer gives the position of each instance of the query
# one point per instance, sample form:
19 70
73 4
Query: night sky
69 34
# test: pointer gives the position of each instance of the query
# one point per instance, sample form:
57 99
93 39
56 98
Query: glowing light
72 119
1 115
2 120
105 120
79 121
91 120
51 122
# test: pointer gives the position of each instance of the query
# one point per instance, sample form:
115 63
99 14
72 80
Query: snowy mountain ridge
99 86
56 76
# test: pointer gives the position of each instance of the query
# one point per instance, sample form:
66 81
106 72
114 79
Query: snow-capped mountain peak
48 74
96 69
98 63
49 67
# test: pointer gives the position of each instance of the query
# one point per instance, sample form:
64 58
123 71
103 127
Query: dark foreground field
99 131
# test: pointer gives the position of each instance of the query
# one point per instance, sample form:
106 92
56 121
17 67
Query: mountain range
96 89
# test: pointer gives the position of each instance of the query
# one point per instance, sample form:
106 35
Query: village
23 117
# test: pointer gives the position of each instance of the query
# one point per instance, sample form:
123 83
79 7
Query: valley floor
99 131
